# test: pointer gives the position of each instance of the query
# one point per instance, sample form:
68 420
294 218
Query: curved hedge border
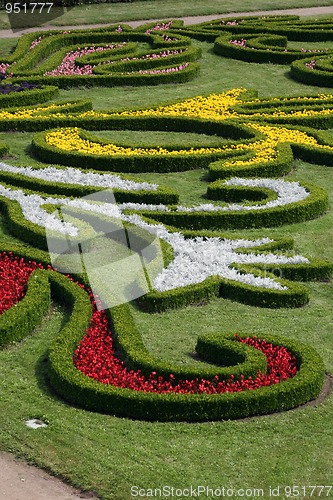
265 40
39 53
127 163
35 234
162 194
295 296
309 208
264 48
293 112
28 97
166 75
276 167
236 359
289 26
18 321
313 71
3 148
75 387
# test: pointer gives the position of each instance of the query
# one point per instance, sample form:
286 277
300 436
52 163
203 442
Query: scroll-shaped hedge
315 70
283 375
79 389
109 56
264 48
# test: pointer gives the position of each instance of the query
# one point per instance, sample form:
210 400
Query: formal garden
202 154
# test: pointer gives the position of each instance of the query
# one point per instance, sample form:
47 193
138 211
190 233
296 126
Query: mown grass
107 454
216 75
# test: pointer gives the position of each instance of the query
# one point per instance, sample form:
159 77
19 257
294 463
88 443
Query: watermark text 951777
28 8
23 14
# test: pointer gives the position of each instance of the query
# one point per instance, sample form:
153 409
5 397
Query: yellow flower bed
213 107
218 107
69 139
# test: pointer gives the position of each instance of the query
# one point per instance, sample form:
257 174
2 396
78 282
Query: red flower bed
14 274
95 357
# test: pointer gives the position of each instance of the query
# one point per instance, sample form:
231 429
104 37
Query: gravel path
18 480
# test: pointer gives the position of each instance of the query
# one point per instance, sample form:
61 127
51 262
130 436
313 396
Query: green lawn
109 455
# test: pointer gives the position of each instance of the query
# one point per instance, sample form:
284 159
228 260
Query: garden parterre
260 148
116 55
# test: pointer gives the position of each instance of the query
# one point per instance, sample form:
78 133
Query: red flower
96 358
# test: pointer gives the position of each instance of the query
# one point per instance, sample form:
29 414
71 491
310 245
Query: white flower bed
287 192
195 259
75 176
198 258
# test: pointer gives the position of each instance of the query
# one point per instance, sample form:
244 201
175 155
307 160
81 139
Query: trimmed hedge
296 295
259 49
276 167
309 208
232 358
86 392
18 321
214 286
288 26
28 97
219 191
3 148
230 128
318 270
166 75
141 64
322 77
161 163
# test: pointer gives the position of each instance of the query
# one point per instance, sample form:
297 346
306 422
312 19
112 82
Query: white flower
195 259
287 192
76 176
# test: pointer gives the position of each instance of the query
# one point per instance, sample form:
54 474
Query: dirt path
18 480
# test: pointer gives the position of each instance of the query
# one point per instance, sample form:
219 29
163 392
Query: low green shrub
276 167
3 148
312 76
18 321
311 207
232 358
86 392
28 97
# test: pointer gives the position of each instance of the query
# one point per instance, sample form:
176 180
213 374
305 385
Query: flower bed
183 282
265 40
262 374
152 405
22 303
257 147
273 366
